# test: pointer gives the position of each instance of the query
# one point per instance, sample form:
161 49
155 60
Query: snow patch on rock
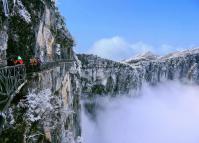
24 14
182 53
38 105
146 56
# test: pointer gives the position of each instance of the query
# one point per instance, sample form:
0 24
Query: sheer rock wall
102 76
47 109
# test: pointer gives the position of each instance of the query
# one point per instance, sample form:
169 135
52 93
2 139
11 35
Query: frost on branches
38 105
46 108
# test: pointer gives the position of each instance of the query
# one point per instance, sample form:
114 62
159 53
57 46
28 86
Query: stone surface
47 109
49 105
102 76
34 29
3 47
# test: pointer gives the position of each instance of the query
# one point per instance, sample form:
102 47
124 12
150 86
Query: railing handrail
14 66
46 65
11 78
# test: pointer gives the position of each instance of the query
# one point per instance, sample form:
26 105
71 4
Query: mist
167 113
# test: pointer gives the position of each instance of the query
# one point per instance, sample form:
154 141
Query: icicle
5 6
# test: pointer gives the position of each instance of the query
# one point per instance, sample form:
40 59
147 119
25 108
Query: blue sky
119 29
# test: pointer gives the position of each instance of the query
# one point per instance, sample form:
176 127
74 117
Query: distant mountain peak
181 53
145 56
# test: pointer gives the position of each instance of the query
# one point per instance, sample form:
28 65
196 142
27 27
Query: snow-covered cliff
47 109
102 76
34 29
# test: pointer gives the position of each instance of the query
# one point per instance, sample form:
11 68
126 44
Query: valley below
166 113
51 94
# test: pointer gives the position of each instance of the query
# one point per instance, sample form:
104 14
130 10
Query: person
33 62
11 61
38 61
19 60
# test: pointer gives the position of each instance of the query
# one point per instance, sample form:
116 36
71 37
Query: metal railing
11 78
47 65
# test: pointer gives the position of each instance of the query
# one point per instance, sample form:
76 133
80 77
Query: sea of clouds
167 113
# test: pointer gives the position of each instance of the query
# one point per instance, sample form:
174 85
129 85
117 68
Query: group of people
15 61
33 62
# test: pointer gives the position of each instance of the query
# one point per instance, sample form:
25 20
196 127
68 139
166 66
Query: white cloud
117 48
167 113
141 47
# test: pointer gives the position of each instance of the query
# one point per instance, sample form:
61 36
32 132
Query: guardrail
11 78
47 65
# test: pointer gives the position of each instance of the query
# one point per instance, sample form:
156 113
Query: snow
150 56
182 53
14 2
10 117
68 137
5 7
48 109
143 56
24 14
38 104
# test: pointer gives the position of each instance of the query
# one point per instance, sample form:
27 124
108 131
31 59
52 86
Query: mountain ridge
125 76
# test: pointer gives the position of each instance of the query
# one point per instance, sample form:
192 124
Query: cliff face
47 109
102 76
34 29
